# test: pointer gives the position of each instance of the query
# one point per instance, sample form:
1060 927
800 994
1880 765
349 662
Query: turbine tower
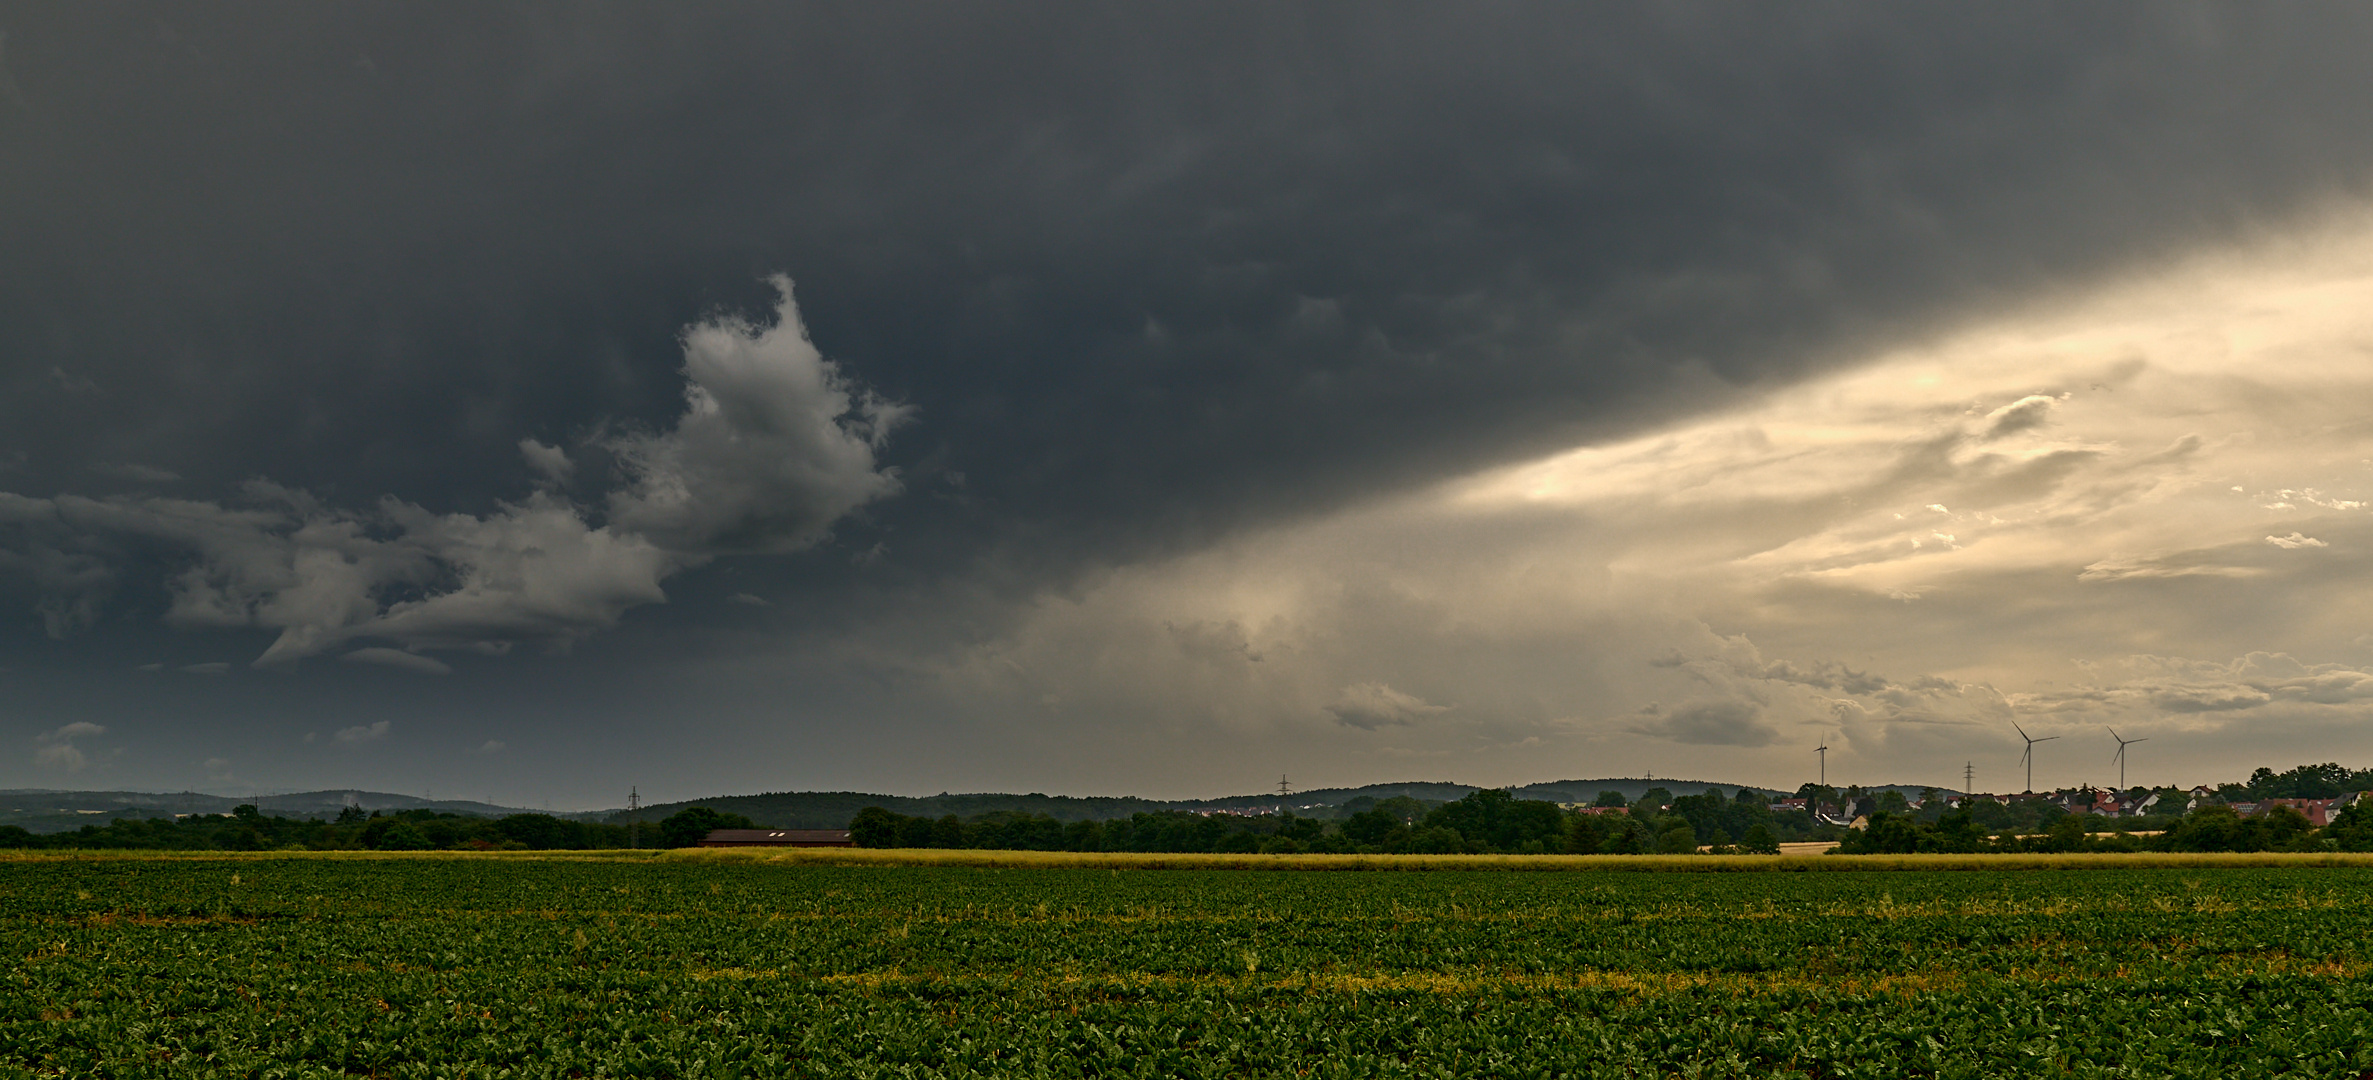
2028 759
1823 750
2123 743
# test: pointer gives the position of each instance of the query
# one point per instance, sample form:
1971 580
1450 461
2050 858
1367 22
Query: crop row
449 967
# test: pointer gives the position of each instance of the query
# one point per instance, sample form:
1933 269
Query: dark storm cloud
1142 275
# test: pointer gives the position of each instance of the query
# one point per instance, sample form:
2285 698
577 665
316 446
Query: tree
1888 834
1759 840
404 836
1586 834
1652 802
2066 834
1403 809
2214 827
1436 840
691 825
1373 827
1958 832
2353 829
1611 798
874 827
2304 782
1497 820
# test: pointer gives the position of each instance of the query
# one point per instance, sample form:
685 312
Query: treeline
247 829
1483 822
2213 827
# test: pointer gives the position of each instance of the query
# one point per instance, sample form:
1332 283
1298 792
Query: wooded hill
833 809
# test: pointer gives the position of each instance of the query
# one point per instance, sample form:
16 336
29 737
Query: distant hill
46 811
833 809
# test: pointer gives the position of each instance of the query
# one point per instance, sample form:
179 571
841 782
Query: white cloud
362 733
398 658
1371 705
550 462
748 600
492 746
775 444
55 750
2294 541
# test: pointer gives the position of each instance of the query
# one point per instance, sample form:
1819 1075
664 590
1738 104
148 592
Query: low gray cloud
398 658
1369 706
363 733
2210 698
2025 414
2202 691
138 474
1712 723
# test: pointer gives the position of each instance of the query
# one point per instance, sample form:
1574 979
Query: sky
528 403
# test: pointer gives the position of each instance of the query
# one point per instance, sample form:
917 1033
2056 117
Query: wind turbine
2123 743
2028 759
1823 750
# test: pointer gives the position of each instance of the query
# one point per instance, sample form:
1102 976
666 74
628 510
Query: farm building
777 838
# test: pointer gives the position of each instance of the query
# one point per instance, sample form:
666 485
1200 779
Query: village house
1598 811
2319 812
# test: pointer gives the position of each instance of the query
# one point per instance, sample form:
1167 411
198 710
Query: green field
631 966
